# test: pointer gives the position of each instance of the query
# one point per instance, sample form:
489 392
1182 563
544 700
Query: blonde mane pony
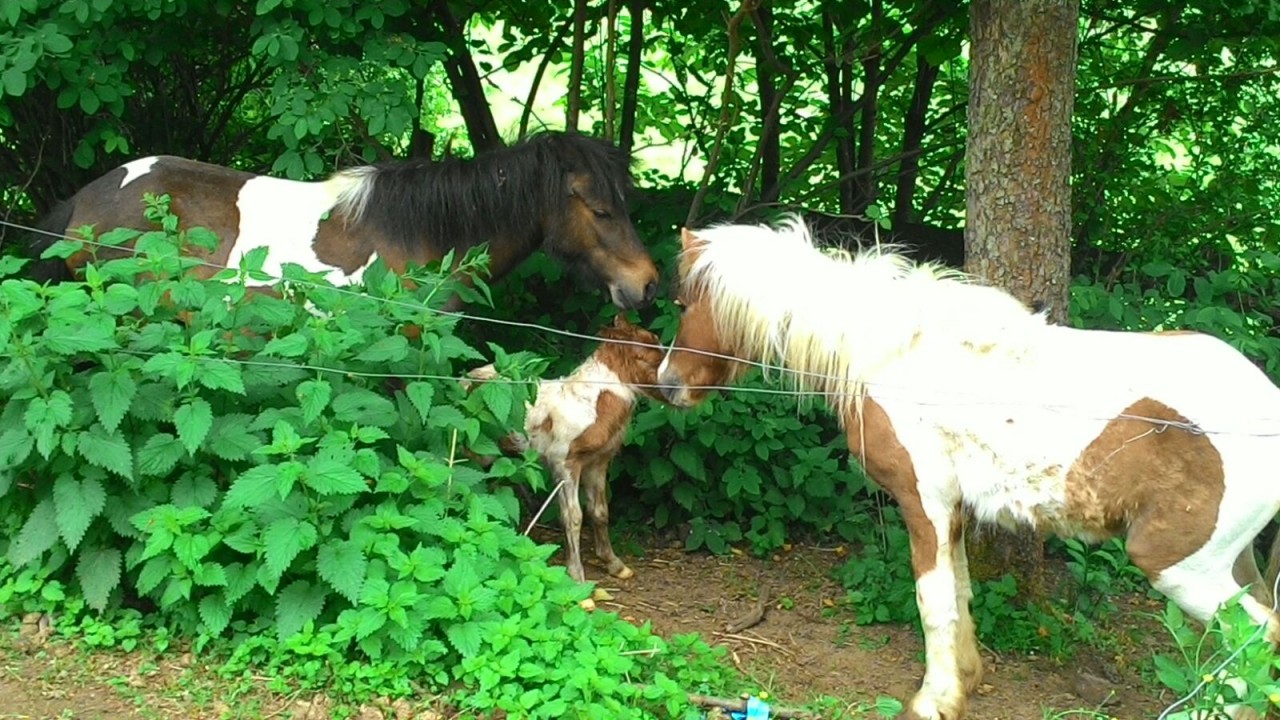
832 319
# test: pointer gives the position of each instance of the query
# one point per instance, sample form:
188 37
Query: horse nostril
650 291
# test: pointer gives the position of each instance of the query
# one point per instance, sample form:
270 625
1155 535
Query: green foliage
1229 662
244 463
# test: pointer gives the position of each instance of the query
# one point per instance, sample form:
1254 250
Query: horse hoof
624 574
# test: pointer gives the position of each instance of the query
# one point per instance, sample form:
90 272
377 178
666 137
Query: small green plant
291 471
879 581
1229 662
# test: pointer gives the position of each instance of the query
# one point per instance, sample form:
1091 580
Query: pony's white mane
353 186
834 318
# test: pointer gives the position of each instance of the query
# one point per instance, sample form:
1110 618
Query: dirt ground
805 646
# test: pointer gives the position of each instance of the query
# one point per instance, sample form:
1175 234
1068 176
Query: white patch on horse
570 404
135 169
284 216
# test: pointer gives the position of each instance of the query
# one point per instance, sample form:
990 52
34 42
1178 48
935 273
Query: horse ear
576 183
687 239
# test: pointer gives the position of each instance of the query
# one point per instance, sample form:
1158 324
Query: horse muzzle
674 391
633 298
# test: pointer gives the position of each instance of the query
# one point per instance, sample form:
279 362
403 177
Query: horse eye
602 214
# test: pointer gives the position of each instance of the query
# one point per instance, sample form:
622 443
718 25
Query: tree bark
465 79
1018 195
574 104
611 70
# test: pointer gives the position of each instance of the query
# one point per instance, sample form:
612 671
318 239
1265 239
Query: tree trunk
611 70
1018 192
839 96
574 104
770 148
631 85
468 90
912 137
865 190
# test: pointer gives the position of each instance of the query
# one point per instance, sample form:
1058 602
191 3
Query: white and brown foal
955 397
578 423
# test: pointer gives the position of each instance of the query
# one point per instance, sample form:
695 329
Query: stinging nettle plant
293 464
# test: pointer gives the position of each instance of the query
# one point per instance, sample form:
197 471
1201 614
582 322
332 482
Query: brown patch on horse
635 364
1162 483
602 440
335 245
889 464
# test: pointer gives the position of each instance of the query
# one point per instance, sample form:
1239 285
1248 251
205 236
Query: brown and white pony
578 423
563 192
956 397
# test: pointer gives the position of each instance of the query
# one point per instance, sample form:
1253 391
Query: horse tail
1273 564
50 229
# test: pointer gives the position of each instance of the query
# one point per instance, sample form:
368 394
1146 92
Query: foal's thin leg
570 519
594 481
969 659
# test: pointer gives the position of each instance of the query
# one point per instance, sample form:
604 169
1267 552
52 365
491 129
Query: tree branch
726 109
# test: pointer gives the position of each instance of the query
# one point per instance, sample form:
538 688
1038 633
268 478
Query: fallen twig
740 705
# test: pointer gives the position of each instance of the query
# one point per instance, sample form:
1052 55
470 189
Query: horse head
594 233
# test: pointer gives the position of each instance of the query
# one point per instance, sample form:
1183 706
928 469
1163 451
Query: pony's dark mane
516 186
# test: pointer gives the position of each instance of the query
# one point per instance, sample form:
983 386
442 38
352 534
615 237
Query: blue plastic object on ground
757 709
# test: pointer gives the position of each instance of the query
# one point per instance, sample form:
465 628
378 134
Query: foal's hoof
623 574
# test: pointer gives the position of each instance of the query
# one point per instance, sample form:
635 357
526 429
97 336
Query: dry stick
543 509
739 705
726 109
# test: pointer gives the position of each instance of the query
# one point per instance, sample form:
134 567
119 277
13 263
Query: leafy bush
293 466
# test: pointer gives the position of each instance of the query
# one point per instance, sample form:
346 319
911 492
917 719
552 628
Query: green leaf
77 503
313 396
85 337
220 375
283 540
194 490
38 534
109 451
466 637
153 573
498 399
253 487
392 348
328 476
365 407
230 437
98 570
342 564
13 79
112 392
689 460
287 346
421 394
160 453
193 420
48 413
215 613
16 445
298 604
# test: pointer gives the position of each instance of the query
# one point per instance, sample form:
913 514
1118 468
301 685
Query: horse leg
570 517
970 660
1246 573
594 481
1204 581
